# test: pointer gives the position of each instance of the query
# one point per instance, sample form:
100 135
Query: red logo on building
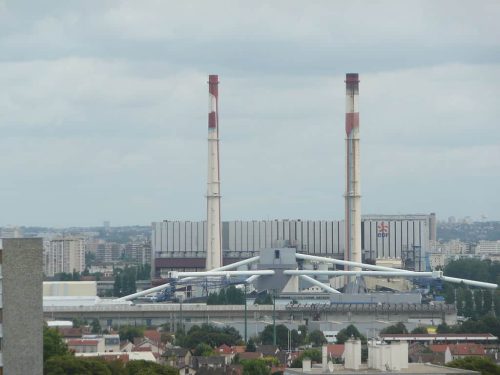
382 230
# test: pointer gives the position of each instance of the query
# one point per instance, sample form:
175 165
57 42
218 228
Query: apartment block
64 254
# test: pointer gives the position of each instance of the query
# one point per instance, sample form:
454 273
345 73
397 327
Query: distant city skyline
103 109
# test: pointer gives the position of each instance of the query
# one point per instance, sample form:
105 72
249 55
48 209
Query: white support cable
479 284
163 286
347 263
435 275
251 279
329 289
360 273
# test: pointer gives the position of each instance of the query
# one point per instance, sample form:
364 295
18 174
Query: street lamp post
274 317
246 341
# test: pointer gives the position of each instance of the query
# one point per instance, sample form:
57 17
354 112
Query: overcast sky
103 108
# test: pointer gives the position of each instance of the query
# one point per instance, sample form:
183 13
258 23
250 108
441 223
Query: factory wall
383 236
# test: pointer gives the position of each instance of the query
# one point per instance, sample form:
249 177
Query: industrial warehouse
181 245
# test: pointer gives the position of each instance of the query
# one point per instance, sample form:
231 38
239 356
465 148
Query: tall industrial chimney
352 191
214 252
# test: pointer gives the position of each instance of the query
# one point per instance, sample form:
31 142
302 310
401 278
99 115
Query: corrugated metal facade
383 236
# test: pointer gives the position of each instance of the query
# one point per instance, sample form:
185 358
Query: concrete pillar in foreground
21 305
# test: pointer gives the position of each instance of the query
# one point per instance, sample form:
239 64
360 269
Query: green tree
75 276
460 300
221 300
449 293
250 346
117 367
264 299
443 328
313 354
95 326
397 328
484 365
203 350
267 336
130 332
229 296
149 368
213 299
496 302
468 304
473 269
68 364
419 330
303 334
117 286
255 367
348 332
53 344
235 296
208 334
317 338
478 301
487 302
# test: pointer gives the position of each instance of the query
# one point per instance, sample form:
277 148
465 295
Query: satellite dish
330 366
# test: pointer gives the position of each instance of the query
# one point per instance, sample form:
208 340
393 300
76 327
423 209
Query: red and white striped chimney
214 248
352 193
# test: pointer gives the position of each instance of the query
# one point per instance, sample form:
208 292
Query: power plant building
182 244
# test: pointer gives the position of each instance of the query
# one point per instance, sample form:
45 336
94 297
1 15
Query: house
211 362
467 350
154 346
456 351
153 335
227 352
126 346
441 354
112 343
176 357
239 348
225 370
335 352
268 350
187 370
86 345
70 332
124 357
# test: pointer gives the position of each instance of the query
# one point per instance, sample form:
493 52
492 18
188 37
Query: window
276 254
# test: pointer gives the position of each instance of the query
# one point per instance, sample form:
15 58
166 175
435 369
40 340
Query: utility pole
246 314
274 317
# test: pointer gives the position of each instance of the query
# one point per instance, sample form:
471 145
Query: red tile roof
467 349
335 350
438 348
139 349
82 342
153 335
225 349
70 332
459 349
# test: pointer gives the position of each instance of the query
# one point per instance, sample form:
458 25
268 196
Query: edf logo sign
382 230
